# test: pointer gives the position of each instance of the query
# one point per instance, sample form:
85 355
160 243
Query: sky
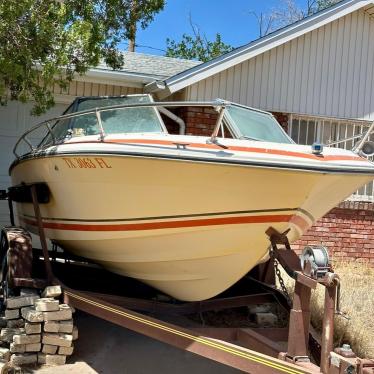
231 18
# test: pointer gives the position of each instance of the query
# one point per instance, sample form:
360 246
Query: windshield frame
233 127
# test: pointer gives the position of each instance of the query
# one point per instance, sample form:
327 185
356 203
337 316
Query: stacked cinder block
39 329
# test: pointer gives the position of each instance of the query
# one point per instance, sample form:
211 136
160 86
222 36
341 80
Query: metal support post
298 336
43 241
328 326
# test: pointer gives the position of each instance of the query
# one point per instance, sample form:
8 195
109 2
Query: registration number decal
86 163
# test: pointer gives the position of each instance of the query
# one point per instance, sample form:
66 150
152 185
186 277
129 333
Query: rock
52 291
75 333
47 304
34 347
66 351
4 354
26 339
6 334
49 349
11 313
23 358
33 328
64 313
51 326
66 326
62 340
20 301
52 360
266 319
14 323
17 348
31 315
3 322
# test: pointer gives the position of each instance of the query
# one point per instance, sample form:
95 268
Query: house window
307 130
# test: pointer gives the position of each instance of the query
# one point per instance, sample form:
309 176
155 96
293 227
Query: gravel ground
105 348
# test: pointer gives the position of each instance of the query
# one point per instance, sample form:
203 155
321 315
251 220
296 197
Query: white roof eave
205 70
118 77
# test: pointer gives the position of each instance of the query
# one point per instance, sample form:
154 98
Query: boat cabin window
117 121
251 124
114 121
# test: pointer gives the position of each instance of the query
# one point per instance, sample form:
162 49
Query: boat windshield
251 124
114 121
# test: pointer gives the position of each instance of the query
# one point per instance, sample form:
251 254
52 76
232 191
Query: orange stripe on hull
172 224
242 149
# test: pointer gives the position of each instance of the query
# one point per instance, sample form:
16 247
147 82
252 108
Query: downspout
178 120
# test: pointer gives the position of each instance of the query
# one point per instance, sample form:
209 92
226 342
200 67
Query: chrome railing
51 124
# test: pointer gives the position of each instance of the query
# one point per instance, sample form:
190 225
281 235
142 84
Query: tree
196 46
289 12
142 11
47 42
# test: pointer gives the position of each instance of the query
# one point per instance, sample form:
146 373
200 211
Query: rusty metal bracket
43 240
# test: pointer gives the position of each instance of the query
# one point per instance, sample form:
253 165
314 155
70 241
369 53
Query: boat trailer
251 350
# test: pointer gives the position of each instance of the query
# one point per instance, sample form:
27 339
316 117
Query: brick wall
282 118
347 230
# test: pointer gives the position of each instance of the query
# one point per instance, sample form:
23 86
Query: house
316 76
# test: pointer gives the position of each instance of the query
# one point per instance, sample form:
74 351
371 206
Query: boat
185 214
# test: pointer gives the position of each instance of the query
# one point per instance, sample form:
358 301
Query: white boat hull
188 228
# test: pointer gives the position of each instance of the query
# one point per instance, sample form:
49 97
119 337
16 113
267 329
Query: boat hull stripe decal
171 224
176 216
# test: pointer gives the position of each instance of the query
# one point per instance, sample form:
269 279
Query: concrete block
64 313
52 360
62 340
11 313
17 348
33 328
66 326
28 292
26 339
66 351
14 323
266 319
51 326
75 333
21 301
6 334
49 349
47 304
34 347
52 291
23 358
4 354
260 308
31 315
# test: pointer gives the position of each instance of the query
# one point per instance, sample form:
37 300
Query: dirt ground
105 348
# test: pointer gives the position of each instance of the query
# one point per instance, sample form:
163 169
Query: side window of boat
85 124
130 120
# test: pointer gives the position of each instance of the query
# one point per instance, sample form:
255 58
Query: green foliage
45 43
196 47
